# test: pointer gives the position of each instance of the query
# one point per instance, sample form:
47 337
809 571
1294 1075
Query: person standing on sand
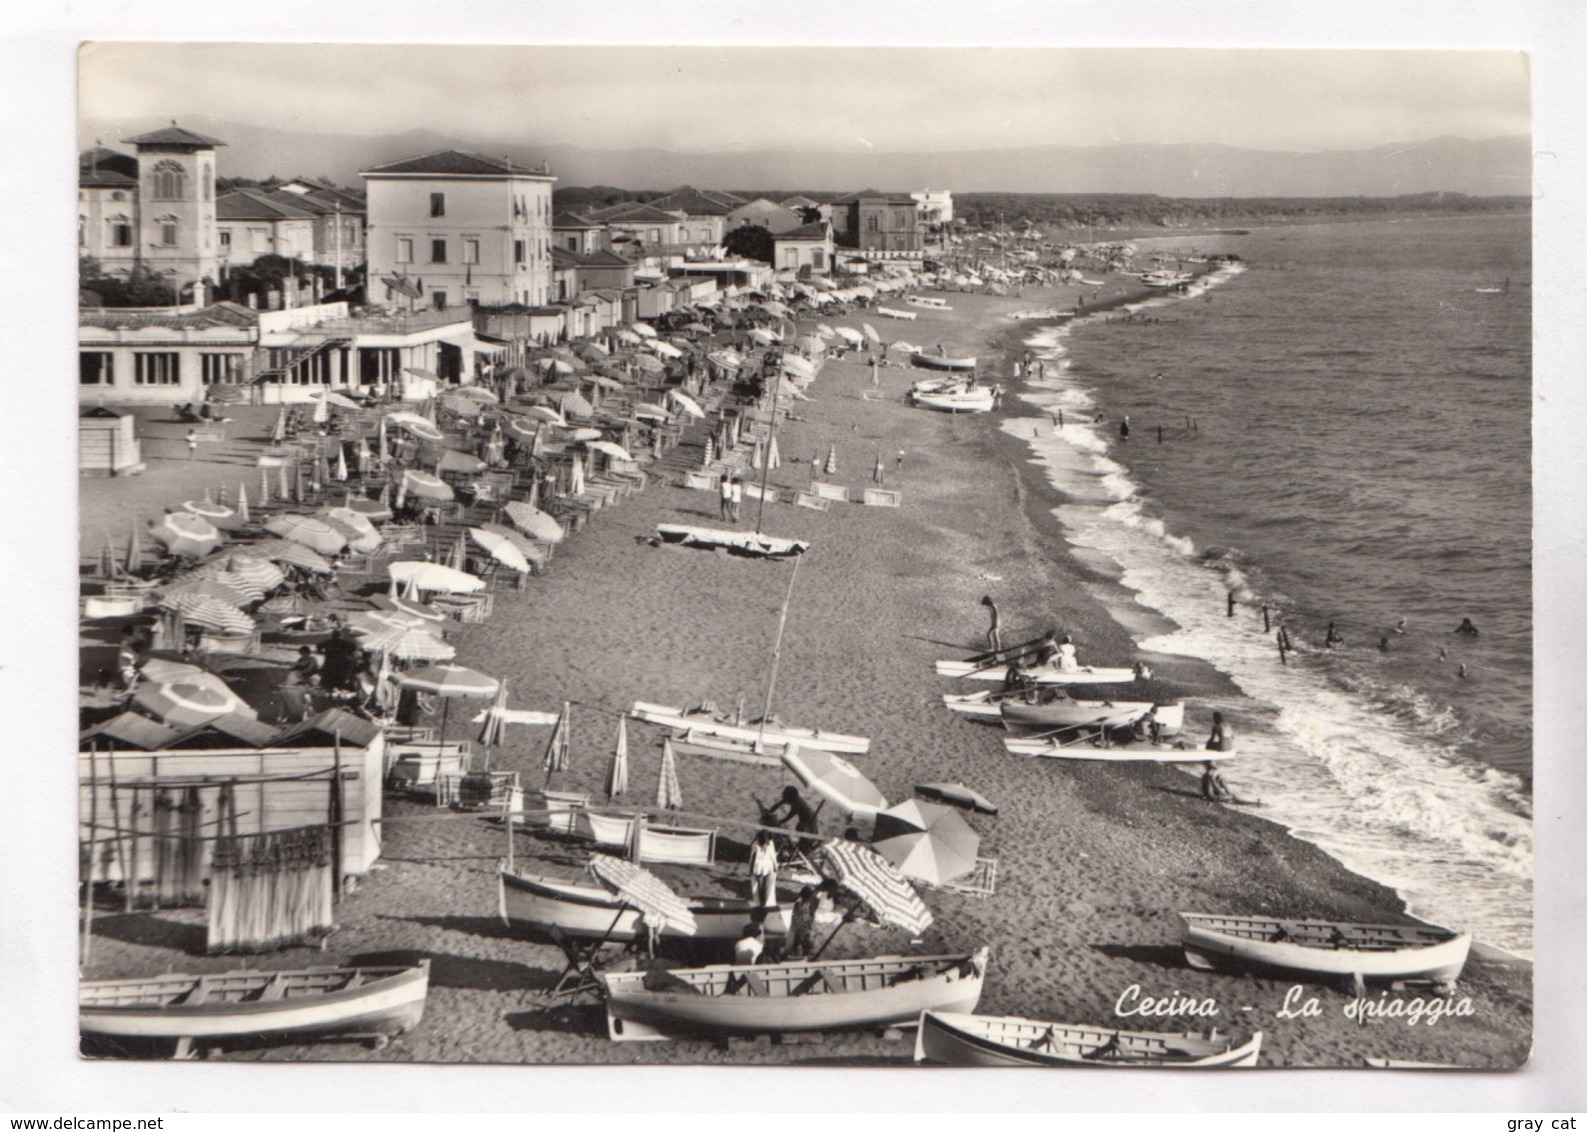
994 635
726 488
1222 737
763 870
802 925
736 499
192 444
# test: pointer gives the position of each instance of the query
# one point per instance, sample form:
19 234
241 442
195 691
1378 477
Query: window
404 249
156 368
437 204
655 235
517 251
167 180
573 243
900 220
96 367
118 195
225 238
220 369
439 299
818 258
378 365
437 251
313 369
470 251
871 224
168 233
120 234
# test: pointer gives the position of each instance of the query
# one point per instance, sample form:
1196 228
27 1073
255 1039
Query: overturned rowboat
778 998
1410 952
988 1040
350 1001
735 542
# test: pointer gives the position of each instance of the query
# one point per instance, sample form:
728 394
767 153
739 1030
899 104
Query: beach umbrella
314 533
859 869
666 349
811 344
870 332
423 430
956 794
426 486
773 457
547 414
449 681
831 466
800 367
187 704
628 338
600 381
669 795
164 670
825 331
521 431
607 448
926 841
478 393
494 719
407 642
763 336
500 548
243 515
688 404
575 405
661 908
371 621
183 533
384 452
209 612
617 770
260 573
725 358
434 577
222 517
644 330
360 532
649 364
834 778
534 522
134 561
556 757
465 463
341 464
235 595
849 334
292 553
593 352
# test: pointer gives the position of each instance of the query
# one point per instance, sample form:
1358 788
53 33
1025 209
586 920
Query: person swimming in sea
1466 628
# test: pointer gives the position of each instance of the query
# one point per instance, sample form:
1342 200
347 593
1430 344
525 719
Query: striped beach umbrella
404 642
183 533
355 527
534 522
669 795
556 757
218 586
661 908
450 682
209 612
260 573
312 532
617 769
426 486
885 891
831 466
291 553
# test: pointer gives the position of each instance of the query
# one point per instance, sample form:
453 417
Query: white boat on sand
772 734
1084 750
989 1040
1044 674
1411 952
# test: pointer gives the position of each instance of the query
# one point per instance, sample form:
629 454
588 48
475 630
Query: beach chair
579 974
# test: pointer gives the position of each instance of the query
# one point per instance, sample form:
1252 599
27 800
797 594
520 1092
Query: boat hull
1371 951
877 992
952 365
989 705
739 542
968 670
392 1002
978 402
531 903
1025 719
1130 753
991 1041
781 736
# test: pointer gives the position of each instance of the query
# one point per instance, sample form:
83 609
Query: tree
809 214
751 241
141 287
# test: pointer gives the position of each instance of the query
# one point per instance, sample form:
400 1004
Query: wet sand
1094 861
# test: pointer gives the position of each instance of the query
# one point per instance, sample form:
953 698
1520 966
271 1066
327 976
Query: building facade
462 228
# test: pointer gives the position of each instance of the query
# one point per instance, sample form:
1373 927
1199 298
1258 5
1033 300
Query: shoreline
1094 860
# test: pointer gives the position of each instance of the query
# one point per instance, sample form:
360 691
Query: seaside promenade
1094 861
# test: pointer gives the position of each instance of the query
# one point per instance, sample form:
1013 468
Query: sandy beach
1094 860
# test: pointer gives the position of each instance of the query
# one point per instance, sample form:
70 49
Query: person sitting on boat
1066 660
1147 728
1047 648
799 812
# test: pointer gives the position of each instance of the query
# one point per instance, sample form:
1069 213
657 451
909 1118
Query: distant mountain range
1489 167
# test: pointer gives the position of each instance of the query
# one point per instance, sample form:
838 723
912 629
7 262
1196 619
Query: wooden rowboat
363 1001
894 312
529 902
931 361
1061 748
827 994
779 735
738 542
983 1039
1412 952
1043 674
990 705
981 400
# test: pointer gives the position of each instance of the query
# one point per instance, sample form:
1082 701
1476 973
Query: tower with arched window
176 233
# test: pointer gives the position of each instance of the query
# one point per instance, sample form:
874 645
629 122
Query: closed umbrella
434 577
661 908
957 794
134 561
556 757
862 871
534 522
669 795
243 515
617 770
835 778
341 464
316 534
831 466
926 841
501 549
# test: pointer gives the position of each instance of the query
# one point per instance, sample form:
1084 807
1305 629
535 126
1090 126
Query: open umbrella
186 703
864 872
434 577
556 757
465 462
292 553
375 510
361 535
209 612
666 349
926 841
501 549
462 406
593 352
426 486
661 908
870 332
649 364
644 330
849 334
416 609
607 448
314 533
835 778
221 516
422 429
799 367
534 522
183 533
688 404
260 573
617 770
545 413
763 336
478 393
407 642
449 681
370 621
235 595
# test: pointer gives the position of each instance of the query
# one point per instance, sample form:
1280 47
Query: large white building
455 228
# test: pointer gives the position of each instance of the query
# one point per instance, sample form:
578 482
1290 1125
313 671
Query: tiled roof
817 231
220 314
562 259
251 204
604 258
173 135
797 202
634 212
571 220
105 179
455 162
697 202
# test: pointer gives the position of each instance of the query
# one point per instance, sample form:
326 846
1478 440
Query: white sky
892 99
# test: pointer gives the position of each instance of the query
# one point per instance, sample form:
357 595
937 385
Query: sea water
1345 437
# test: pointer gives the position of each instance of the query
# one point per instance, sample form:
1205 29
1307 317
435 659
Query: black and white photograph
805 556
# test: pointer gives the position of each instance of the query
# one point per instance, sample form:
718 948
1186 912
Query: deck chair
578 977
